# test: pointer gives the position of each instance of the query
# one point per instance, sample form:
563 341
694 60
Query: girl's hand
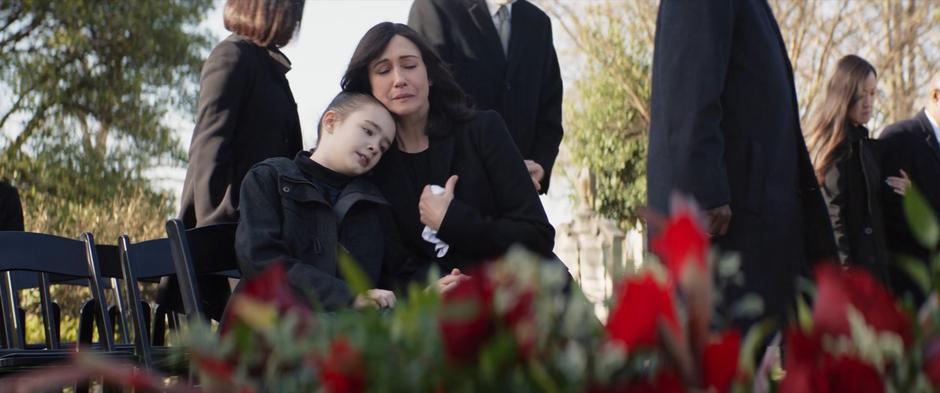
378 298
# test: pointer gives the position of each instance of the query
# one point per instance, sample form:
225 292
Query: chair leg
117 325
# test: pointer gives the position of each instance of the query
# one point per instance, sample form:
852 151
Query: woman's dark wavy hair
447 101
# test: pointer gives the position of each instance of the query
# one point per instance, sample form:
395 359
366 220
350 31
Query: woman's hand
432 208
901 184
378 298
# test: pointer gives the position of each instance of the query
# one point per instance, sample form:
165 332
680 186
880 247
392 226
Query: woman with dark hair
846 162
488 201
246 114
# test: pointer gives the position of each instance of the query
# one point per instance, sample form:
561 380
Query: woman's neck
411 135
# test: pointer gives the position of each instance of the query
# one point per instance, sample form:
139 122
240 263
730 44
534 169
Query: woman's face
399 78
860 112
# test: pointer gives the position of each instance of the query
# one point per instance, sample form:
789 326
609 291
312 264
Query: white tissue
429 235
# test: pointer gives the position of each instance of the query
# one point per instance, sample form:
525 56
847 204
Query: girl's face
860 112
399 78
354 144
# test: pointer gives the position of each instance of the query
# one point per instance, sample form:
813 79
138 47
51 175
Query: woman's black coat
852 189
246 114
495 204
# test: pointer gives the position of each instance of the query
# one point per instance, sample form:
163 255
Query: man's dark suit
725 129
524 89
908 145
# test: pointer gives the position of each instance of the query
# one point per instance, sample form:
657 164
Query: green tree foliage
606 109
89 84
85 91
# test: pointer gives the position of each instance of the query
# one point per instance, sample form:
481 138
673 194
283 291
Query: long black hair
447 101
829 129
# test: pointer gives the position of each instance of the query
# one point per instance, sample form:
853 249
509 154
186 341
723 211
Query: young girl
300 212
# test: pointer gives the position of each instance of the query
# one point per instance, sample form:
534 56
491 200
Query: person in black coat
246 113
519 79
911 146
302 212
725 130
487 202
11 209
847 166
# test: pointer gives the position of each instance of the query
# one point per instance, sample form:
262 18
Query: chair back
197 252
145 261
51 256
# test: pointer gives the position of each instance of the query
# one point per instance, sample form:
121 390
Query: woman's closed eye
368 131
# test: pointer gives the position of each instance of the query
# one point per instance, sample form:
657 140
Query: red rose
342 371
681 242
809 370
720 360
466 319
837 288
270 287
214 367
641 303
519 318
847 374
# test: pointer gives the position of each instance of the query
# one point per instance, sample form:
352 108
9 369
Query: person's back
305 212
245 114
725 129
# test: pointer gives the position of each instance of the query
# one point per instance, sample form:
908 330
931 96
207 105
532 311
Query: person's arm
833 190
260 241
692 54
548 127
519 216
223 86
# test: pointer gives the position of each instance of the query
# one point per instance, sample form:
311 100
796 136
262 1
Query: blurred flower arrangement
520 325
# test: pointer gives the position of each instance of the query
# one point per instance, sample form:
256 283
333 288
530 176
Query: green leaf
806 287
753 342
916 270
729 265
349 268
920 218
542 377
804 315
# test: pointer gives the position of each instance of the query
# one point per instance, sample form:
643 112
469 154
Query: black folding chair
208 250
51 257
147 261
